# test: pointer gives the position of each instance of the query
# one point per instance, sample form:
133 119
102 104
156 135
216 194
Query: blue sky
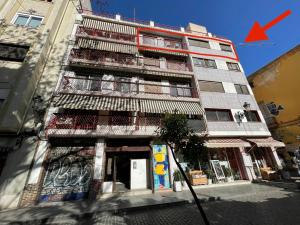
230 18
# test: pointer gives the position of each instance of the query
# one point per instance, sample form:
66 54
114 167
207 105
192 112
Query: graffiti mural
160 167
69 174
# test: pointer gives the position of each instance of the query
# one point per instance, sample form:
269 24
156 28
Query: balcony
125 87
96 33
61 124
104 125
122 61
161 42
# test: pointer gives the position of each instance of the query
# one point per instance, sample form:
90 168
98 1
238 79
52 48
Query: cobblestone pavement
241 205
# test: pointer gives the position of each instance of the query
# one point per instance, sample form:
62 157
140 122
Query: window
211 86
218 115
28 20
11 52
199 43
180 90
226 48
233 66
252 116
241 89
208 63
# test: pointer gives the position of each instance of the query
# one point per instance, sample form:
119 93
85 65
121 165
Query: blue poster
160 167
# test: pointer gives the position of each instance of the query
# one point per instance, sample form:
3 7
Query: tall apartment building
118 78
34 35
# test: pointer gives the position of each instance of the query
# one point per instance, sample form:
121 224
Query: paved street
251 204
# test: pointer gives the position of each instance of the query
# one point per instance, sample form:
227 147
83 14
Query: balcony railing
93 122
121 86
105 34
162 42
100 57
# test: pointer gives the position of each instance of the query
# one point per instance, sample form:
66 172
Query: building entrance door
138 174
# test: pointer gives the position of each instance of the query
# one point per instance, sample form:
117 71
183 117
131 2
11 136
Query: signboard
218 169
160 167
247 160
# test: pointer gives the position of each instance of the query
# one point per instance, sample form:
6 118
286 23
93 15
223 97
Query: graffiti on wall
160 167
69 174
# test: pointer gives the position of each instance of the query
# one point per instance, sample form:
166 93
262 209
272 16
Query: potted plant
228 174
178 181
210 174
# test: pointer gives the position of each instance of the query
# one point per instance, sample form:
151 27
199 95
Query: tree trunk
191 189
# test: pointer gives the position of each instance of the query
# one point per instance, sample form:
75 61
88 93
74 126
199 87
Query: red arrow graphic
258 33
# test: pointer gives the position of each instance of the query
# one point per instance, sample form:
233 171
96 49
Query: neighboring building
276 88
32 44
117 79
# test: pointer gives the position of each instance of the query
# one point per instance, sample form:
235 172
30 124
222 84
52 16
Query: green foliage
210 174
227 172
177 176
176 132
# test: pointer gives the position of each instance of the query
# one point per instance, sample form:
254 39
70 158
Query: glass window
199 43
226 48
218 115
21 20
211 86
252 116
13 52
28 20
241 89
35 22
233 66
183 90
209 63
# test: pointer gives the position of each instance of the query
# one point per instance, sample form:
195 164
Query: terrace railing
123 86
100 57
105 34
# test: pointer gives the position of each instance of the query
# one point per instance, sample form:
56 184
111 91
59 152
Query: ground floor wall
15 173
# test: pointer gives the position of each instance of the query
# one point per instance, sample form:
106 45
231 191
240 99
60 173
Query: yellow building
276 87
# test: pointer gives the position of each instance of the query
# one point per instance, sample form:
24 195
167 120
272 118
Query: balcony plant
210 175
177 181
228 174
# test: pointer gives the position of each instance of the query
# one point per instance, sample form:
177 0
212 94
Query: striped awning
266 142
162 51
167 74
106 46
226 143
107 26
158 106
96 103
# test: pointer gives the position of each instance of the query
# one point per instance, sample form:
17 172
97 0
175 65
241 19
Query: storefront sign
160 167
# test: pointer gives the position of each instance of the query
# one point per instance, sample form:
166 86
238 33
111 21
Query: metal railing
124 86
102 57
163 42
91 122
105 34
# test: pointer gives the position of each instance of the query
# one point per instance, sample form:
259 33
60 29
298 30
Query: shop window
218 115
10 52
199 43
28 20
211 86
207 63
225 47
241 89
252 116
233 66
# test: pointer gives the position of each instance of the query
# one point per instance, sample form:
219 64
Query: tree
176 133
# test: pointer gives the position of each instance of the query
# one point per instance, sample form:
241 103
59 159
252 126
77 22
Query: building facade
113 81
275 87
33 38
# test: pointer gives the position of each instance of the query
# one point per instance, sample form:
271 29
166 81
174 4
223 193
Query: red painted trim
143 47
